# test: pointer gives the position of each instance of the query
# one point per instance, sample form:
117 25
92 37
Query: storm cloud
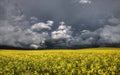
59 23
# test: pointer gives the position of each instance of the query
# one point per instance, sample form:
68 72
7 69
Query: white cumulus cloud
41 25
63 32
84 1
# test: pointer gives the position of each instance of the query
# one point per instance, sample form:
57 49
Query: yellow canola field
93 61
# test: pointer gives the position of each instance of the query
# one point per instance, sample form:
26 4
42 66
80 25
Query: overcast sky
74 12
30 23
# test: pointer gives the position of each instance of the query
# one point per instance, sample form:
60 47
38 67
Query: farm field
93 61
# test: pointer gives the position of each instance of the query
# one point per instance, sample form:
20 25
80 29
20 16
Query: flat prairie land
92 61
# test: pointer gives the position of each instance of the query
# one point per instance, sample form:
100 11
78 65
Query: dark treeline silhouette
52 46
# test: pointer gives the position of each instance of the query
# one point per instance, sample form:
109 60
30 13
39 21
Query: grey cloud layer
71 11
19 30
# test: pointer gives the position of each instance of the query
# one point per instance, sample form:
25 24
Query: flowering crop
100 61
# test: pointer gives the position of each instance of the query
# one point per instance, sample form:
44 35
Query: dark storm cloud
35 23
16 30
73 12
